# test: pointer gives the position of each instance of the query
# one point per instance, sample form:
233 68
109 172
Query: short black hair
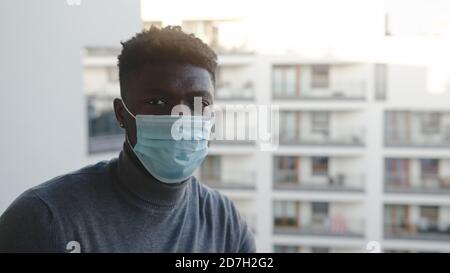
164 45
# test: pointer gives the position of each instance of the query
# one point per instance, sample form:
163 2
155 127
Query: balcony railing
337 91
349 138
398 138
426 230
231 93
214 142
427 185
288 180
324 226
238 180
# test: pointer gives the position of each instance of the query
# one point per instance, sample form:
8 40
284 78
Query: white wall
238 168
351 167
346 124
407 87
42 111
305 212
444 217
444 168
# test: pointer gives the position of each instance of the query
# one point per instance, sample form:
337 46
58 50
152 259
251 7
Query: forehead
169 77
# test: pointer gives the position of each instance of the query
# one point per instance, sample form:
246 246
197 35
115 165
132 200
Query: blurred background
363 88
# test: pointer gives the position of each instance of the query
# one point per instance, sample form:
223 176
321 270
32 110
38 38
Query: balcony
341 219
425 185
232 142
394 138
288 180
425 230
417 222
287 248
322 226
238 180
417 129
344 138
228 92
338 91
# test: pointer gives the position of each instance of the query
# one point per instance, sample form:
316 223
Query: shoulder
85 180
65 191
27 225
27 204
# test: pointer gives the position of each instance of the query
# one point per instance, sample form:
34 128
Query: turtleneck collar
137 180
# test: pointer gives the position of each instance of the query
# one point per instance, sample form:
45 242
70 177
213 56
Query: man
146 200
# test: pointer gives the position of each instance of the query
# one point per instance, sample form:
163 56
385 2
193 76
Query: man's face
156 89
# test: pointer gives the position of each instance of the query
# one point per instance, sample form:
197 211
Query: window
429 212
398 127
320 122
290 126
397 172
104 132
319 215
286 169
429 168
320 76
285 214
320 208
285 81
396 219
429 217
430 123
320 166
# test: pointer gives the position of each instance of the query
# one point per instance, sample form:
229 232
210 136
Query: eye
157 102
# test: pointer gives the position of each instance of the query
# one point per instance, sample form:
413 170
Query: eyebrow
166 93
200 93
159 91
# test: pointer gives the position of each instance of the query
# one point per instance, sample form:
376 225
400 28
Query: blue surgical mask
171 148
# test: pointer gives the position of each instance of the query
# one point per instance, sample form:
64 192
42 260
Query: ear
119 111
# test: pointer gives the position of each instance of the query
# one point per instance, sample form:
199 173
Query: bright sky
282 24
345 28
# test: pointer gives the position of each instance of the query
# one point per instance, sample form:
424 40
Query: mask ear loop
131 114
128 110
128 141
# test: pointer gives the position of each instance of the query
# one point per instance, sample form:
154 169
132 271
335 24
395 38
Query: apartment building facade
364 151
363 155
